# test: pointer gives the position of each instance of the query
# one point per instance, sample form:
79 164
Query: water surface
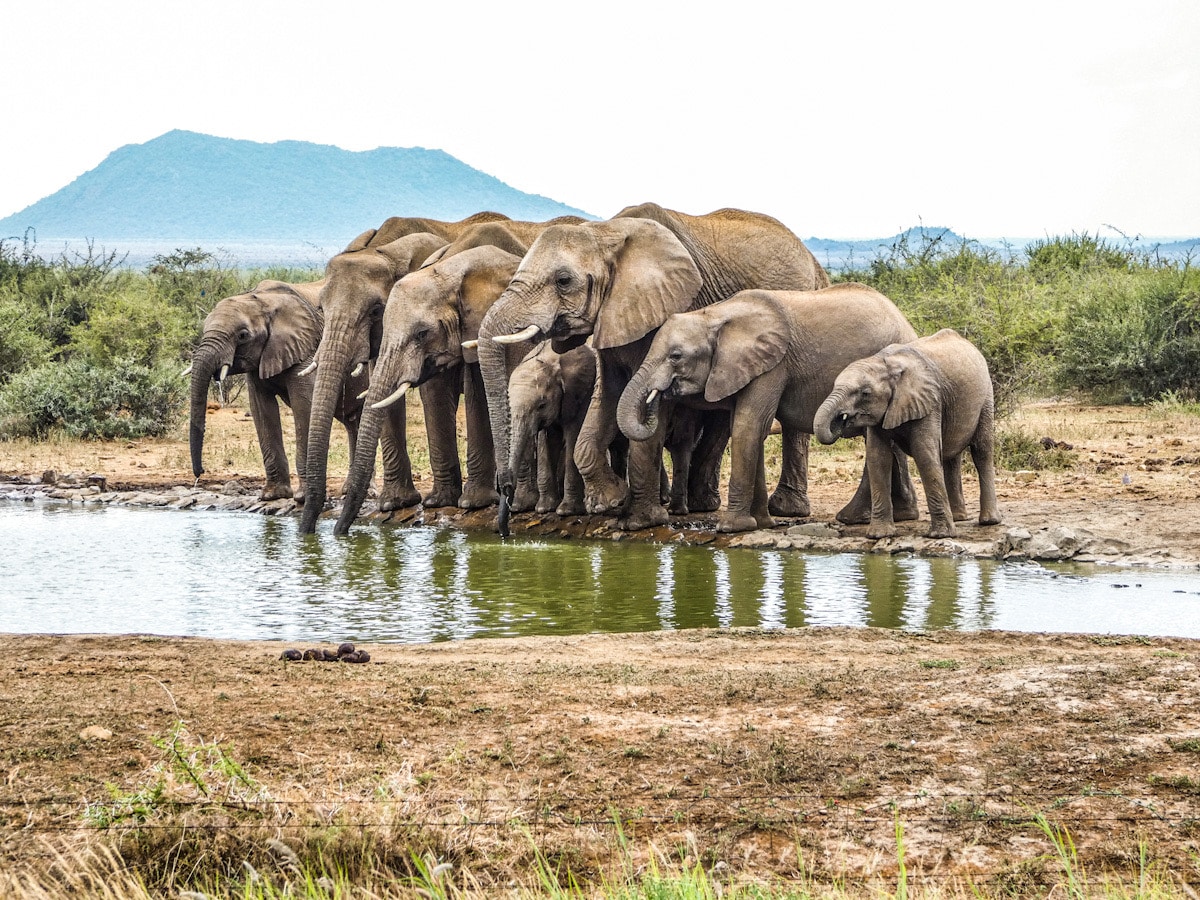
117 570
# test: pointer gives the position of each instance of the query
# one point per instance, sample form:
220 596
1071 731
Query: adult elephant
619 280
358 281
767 355
430 314
269 334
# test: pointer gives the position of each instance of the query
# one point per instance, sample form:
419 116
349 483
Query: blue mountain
199 188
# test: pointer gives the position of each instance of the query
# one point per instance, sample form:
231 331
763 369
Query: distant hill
194 188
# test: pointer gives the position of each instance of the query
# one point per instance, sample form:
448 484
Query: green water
122 570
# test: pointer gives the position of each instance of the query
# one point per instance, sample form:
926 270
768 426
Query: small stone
49 477
1025 476
358 656
95 733
291 655
314 653
345 649
232 488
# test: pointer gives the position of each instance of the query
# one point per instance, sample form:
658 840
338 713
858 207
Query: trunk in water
825 426
493 364
331 375
362 467
205 362
637 420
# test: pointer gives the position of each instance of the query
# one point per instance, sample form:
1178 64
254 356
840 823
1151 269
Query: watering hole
117 570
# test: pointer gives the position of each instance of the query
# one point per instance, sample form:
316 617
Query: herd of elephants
580 349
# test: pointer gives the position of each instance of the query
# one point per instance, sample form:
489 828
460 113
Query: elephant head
263 332
357 284
715 352
430 313
616 280
896 385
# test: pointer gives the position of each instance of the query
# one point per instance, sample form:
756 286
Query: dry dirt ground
791 753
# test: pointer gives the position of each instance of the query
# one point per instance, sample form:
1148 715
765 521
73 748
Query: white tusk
309 369
470 345
186 372
392 397
652 396
224 372
362 396
519 336
358 370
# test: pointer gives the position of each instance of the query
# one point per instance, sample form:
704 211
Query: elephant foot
851 514
547 503
960 515
881 530
729 522
640 519
606 495
277 491
678 507
398 496
905 512
477 496
704 501
790 504
524 499
989 519
571 506
946 530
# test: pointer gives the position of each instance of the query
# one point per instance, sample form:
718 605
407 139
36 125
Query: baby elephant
932 398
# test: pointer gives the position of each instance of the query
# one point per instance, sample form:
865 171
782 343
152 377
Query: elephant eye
563 280
243 335
675 355
420 335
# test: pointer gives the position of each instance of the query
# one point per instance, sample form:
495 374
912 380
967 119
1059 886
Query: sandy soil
786 754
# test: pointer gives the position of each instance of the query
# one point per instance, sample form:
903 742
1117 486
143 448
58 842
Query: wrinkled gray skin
618 281
429 314
358 281
270 335
932 398
549 393
767 355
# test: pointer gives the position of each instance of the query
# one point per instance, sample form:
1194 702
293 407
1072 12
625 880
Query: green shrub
121 400
1054 257
22 342
136 326
1017 449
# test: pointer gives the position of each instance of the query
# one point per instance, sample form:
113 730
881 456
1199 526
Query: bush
121 400
1052 258
140 327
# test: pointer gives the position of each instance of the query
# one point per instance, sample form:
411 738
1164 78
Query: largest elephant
358 281
619 280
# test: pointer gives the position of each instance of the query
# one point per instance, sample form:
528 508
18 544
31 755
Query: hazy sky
847 118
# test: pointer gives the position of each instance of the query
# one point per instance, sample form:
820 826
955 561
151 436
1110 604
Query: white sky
846 119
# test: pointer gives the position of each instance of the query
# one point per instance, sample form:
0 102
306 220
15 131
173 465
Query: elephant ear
295 331
407 253
653 277
361 241
752 338
914 386
483 273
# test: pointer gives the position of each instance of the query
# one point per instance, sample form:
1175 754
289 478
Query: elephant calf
766 354
269 334
933 399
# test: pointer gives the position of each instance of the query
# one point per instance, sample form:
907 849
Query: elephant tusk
309 369
652 396
186 372
224 373
362 396
470 345
516 338
358 370
392 397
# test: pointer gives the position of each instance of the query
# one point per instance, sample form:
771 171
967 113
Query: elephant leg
790 498
927 454
983 455
644 508
264 410
879 477
572 502
439 400
300 397
952 475
480 489
704 482
905 505
605 492
748 507
550 469
681 443
398 488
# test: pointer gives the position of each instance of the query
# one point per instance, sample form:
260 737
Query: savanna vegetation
93 349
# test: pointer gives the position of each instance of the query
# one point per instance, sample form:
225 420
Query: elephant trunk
637 411
362 467
331 375
524 440
205 361
493 366
829 423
